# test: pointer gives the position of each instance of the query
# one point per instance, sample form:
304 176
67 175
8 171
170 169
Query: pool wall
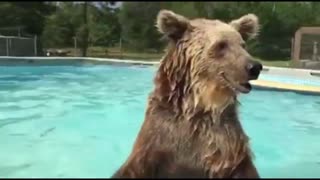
18 61
306 74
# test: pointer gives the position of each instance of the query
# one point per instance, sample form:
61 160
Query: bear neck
184 109
214 131
217 106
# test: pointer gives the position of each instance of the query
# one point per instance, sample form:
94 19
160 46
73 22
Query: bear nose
254 68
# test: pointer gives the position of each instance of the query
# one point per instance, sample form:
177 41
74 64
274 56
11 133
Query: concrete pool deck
285 86
306 74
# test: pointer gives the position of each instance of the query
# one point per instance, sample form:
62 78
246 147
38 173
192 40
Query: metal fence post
75 46
120 46
315 51
7 46
35 45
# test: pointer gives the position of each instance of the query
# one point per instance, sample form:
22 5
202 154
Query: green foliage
104 26
134 22
138 25
62 25
279 21
68 22
30 16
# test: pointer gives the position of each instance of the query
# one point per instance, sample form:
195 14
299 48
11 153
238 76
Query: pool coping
276 86
80 59
261 84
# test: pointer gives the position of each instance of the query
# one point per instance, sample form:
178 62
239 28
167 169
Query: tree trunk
85 34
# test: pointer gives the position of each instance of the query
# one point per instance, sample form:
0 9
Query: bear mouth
244 87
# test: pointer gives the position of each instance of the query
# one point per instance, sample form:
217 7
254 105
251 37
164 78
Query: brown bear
191 126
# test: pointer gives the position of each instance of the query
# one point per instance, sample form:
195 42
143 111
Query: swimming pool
81 121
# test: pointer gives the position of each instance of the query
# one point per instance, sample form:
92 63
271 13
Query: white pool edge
270 69
308 74
81 58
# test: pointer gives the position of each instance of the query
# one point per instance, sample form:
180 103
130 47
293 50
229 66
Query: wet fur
191 126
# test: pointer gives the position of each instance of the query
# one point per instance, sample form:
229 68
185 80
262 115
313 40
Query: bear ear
171 24
247 25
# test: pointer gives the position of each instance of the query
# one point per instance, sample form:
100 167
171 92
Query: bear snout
254 68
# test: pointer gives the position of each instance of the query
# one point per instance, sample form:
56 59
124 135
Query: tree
100 27
30 15
135 22
83 32
104 25
62 25
138 25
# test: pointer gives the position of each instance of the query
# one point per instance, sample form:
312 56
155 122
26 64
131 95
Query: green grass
277 63
115 53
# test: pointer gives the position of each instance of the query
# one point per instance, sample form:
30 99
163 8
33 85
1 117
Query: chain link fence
309 47
305 48
18 46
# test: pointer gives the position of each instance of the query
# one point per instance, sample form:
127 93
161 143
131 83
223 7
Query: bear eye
222 45
218 50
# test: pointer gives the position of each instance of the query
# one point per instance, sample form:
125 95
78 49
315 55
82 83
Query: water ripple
74 120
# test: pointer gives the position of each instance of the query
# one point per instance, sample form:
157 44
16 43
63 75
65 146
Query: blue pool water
82 121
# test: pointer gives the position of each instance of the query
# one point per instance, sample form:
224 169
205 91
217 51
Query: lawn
277 63
148 56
